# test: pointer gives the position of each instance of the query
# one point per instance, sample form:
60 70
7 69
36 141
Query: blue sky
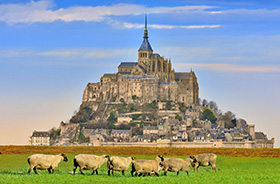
50 50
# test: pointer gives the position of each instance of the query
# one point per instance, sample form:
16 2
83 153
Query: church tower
145 49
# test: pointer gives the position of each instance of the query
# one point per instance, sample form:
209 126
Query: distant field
233 168
170 151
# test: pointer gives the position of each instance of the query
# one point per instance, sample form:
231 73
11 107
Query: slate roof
128 64
182 75
145 46
153 55
150 127
259 135
125 73
125 115
186 116
120 131
109 75
40 134
164 83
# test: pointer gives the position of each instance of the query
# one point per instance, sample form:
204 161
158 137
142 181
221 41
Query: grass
236 170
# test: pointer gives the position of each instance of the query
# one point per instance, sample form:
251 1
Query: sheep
176 165
146 166
204 159
42 162
116 163
88 162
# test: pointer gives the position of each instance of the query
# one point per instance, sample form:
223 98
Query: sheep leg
113 172
49 169
157 173
123 172
34 169
109 172
187 172
165 173
81 171
92 171
29 170
214 168
132 170
139 174
96 171
74 170
177 173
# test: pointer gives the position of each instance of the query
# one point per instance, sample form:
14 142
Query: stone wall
247 144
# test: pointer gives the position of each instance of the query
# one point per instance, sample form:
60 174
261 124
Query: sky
51 49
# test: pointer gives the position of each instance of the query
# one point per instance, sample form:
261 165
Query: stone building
151 78
123 118
121 135
39 138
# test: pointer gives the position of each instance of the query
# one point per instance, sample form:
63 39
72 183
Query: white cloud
229 67
41 11
158 26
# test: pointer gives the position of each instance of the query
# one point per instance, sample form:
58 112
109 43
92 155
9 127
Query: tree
112 118
204 103
134 97
208 114
212 105
82 116
136 131
168 105
230 120
123 127
178 117
132 107
121 100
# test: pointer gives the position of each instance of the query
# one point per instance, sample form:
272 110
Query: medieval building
151 78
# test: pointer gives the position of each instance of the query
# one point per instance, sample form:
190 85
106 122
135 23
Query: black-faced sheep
146 166
88 162
204 159
176 165
116 163
42 162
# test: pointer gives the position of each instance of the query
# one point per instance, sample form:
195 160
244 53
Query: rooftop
127 64
182 75
40 134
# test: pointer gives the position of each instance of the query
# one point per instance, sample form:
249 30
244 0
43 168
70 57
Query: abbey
151 78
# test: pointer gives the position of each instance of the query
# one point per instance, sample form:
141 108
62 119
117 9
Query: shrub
207 113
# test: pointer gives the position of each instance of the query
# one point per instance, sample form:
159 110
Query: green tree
207 113
82 116
178 117
112 118
134 97
168 105
132 108
121 100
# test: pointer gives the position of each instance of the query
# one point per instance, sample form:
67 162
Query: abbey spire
145 49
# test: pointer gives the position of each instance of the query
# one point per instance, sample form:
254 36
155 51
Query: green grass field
13 169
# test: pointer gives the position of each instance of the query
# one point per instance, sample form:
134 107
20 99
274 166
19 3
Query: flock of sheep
116 163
